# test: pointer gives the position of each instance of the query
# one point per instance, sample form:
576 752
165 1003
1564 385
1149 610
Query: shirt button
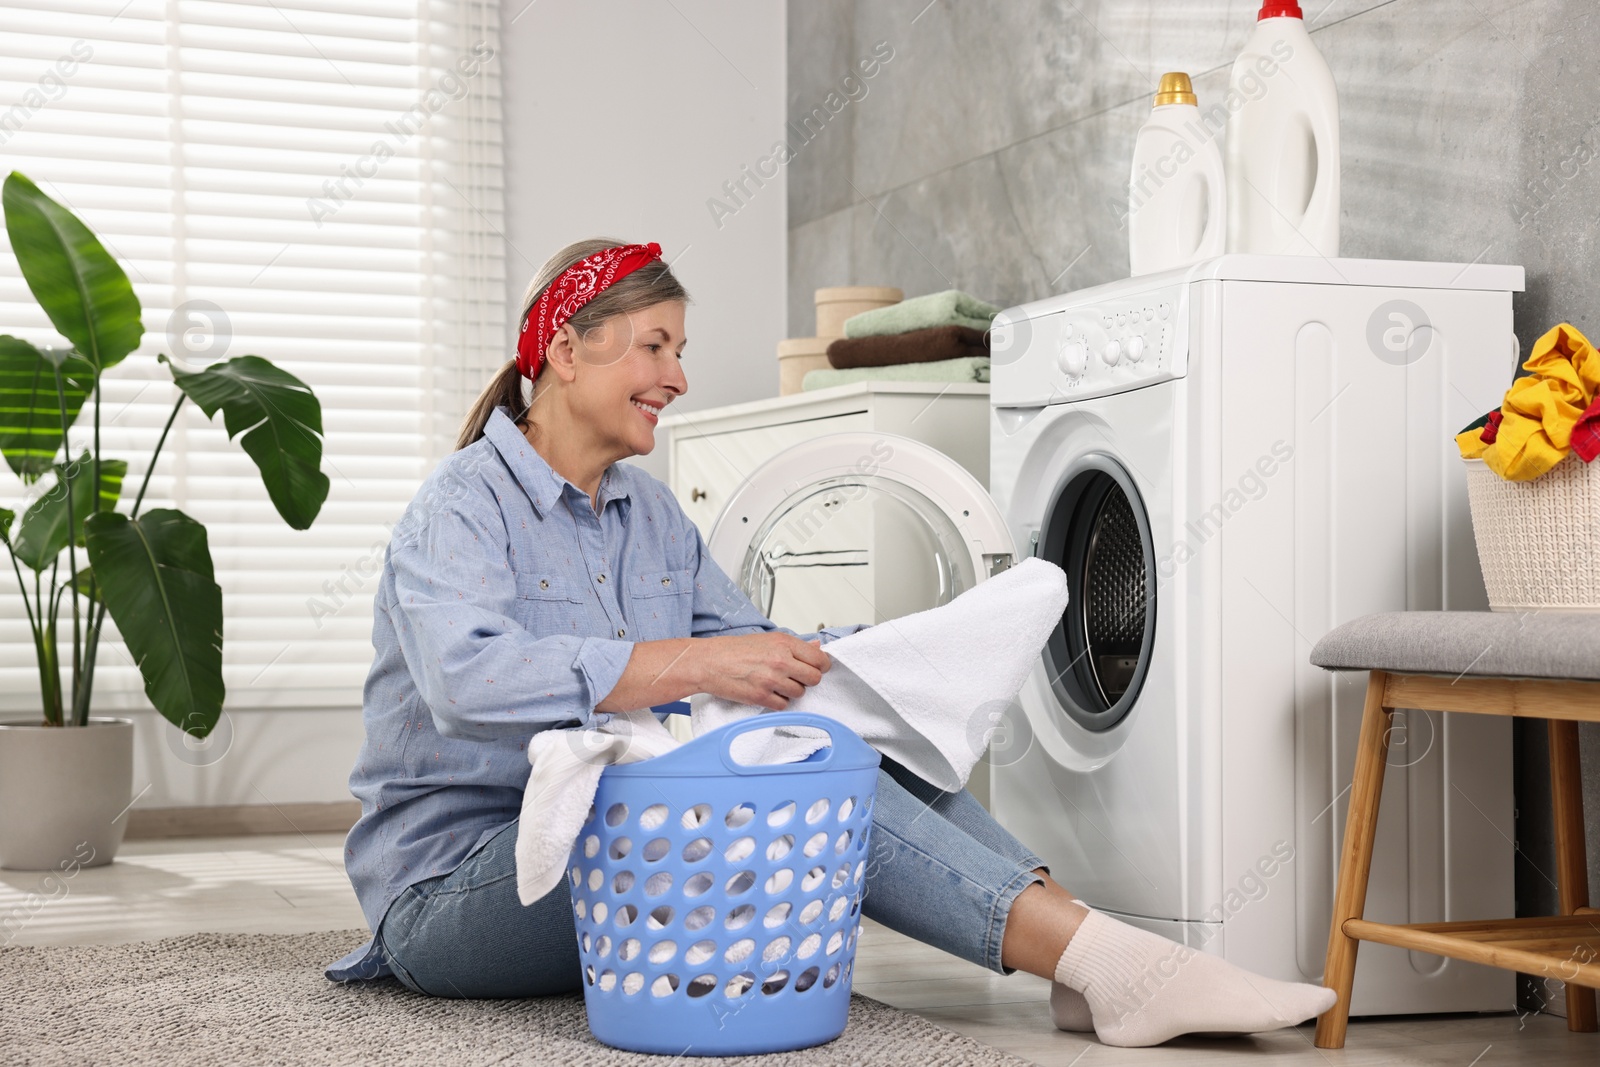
622 633
601 579
544 583
666 581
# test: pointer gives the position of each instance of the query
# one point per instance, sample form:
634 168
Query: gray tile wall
990 154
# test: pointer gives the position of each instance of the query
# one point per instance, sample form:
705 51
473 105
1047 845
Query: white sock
1142 989
1070 1009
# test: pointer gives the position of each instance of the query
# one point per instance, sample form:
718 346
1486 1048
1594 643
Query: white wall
623 117
253 757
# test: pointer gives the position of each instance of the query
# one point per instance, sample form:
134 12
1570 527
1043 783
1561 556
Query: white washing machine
1229 461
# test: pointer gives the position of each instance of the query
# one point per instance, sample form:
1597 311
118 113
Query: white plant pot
64 792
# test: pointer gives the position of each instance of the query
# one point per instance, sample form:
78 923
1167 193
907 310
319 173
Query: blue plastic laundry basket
718 904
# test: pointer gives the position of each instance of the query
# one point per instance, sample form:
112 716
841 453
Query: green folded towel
949 308
965 369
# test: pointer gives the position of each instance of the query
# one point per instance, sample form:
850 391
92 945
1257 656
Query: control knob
1074 357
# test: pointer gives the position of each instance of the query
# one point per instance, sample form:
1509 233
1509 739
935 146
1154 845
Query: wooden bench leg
1350 898
1572 871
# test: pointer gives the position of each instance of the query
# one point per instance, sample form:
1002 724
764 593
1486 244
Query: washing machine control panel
1065 350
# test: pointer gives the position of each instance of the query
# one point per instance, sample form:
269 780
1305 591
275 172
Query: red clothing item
1586 433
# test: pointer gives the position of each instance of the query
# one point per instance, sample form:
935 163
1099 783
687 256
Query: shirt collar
543 485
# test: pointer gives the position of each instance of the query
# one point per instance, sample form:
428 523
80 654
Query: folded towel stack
964 369
918 346
941 337
949 308
797 356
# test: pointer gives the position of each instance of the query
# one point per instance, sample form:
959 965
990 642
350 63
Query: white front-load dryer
862 527
858 527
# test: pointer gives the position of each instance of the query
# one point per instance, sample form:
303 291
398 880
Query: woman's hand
769 669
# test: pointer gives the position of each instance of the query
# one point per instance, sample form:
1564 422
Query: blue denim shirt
507 606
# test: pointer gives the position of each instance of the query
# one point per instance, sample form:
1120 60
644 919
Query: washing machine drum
858 527
1097 531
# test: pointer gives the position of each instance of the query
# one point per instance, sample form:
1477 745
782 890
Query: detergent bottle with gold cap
1177 197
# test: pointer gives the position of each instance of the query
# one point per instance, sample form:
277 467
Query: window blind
317 182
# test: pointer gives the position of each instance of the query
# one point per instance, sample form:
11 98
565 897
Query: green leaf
156 579
281 421
47 651
42 533
80 286
84 580
7 517
30 409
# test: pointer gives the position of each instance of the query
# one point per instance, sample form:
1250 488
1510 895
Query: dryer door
858 527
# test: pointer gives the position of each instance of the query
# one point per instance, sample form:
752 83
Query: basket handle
781 718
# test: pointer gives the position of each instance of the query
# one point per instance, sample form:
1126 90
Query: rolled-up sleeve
483 674
721 608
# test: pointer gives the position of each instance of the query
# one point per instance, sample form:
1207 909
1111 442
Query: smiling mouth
647 408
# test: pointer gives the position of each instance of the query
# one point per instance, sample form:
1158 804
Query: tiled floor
296 884
268 884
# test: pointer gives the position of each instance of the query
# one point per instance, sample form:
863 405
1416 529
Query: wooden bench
1543 665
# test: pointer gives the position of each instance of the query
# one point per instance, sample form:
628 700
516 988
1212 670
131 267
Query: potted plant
66 776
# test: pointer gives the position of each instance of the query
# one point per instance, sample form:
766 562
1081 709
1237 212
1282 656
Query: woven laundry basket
1539 540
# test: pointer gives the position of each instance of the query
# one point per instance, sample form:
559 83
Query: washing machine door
1096 529
858 527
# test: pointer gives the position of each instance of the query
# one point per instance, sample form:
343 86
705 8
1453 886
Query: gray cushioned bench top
1537 644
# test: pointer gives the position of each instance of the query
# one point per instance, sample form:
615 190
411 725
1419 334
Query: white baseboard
235 819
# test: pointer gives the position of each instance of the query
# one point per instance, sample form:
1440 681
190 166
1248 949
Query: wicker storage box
840 302
1539 540
797 356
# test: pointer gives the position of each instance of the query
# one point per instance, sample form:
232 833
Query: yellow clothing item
1471 443
1540 411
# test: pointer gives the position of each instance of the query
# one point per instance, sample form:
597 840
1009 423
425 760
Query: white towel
566 775
926 690
566 772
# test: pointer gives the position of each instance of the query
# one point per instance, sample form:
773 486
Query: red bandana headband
573 288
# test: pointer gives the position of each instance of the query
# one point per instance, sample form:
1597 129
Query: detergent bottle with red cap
1282 152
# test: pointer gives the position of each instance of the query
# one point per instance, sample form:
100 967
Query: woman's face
628 371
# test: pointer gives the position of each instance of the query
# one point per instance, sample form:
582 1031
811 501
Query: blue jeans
941 870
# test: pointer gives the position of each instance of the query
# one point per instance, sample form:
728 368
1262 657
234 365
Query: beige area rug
222 999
